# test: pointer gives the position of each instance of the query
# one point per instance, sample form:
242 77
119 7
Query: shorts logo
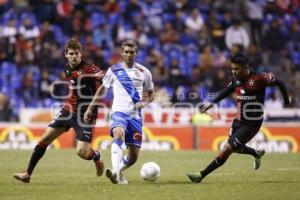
137 136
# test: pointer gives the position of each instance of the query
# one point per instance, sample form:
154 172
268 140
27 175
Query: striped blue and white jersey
128 85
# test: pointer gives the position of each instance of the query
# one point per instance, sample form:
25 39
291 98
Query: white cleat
122 179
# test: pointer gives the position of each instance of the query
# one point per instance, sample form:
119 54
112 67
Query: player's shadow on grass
173 183
252 182
279 181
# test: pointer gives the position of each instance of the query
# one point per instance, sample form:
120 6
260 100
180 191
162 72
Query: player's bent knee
235 144
118 132
83 153
240 149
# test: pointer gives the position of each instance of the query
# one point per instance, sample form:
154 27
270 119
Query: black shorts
65 119
242 132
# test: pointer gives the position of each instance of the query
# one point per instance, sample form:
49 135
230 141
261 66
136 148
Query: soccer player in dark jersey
249 88
83 80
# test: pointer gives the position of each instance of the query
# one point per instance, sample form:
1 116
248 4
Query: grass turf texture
62 175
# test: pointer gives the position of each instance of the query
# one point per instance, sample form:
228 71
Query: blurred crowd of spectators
185 43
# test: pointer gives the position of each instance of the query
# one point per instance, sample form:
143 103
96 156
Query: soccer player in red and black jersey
249 88
83 80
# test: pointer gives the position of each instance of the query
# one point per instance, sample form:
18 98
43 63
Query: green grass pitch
62 175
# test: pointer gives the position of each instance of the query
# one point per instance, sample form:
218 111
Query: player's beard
129 61
75 62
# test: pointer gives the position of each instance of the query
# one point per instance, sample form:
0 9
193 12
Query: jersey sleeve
148 85
225 92
268 79
108 79
94 72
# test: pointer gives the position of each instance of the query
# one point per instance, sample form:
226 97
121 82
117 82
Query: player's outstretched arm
206 107
283 89
146 100
221 95
96 98
224 93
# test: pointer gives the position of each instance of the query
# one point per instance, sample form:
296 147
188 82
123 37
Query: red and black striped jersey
84 81
250 95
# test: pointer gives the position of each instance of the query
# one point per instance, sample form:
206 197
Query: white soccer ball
150 171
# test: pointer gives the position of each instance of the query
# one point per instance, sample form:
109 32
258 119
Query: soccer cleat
99 164
22 176
122 179
113 177
195 177
257 160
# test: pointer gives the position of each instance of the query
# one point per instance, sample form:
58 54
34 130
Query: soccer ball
150 171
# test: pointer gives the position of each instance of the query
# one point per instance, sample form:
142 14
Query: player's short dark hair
129 43
239 59
73 44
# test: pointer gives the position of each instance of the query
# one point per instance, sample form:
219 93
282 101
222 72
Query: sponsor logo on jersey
239 97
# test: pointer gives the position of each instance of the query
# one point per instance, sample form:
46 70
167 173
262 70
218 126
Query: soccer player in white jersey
129 80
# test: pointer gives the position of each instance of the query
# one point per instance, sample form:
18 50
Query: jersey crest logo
242 91
137 74
251 82
120 73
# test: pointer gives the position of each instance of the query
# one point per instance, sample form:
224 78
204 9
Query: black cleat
195 177
113 177
257 160
99 164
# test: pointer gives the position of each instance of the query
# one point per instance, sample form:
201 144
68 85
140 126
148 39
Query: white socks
119 163
116 156
123 165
